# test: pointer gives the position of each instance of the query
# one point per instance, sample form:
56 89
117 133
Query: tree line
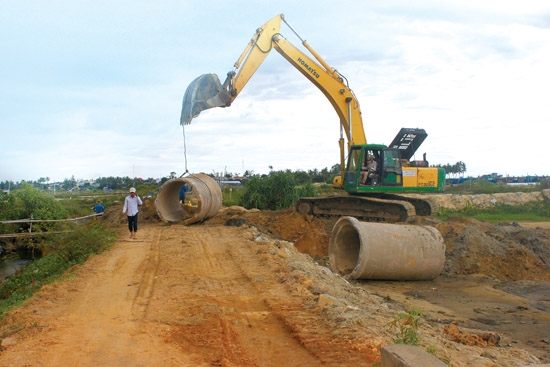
453 170
324 175
122 183
101 183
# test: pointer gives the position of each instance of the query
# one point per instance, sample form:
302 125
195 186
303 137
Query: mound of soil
309 234
472 247
504 251
495 280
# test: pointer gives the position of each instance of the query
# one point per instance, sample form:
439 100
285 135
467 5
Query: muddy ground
253 288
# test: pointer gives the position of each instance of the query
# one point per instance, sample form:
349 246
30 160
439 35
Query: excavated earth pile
496 278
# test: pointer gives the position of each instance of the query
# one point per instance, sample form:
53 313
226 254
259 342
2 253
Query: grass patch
475 187
536 211
79 204
232 195
71 249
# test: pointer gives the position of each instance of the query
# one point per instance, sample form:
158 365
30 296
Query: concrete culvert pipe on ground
207 201
367 250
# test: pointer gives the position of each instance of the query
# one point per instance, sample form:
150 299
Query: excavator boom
207 91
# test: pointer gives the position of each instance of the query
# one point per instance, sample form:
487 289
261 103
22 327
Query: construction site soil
253 288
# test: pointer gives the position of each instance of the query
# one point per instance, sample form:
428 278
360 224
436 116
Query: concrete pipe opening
203 200
365 250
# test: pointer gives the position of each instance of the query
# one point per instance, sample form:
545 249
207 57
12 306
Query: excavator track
423 207
364 208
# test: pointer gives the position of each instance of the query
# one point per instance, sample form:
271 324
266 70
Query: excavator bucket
203 93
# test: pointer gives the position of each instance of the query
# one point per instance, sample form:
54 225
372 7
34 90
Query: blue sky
91 89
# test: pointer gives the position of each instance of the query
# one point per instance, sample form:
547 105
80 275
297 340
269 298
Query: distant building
233 183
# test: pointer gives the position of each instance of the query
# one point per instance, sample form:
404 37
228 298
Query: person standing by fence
131 209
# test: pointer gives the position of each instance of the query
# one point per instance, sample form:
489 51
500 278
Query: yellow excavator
374 175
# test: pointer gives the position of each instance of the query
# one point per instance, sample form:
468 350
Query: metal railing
31 220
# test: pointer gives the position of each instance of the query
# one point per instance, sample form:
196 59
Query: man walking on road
131 209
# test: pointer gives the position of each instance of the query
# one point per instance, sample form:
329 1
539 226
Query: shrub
73 248
29 202
276 191
406 326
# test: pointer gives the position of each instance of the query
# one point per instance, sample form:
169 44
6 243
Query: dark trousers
132 223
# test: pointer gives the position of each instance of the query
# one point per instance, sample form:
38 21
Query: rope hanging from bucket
184 151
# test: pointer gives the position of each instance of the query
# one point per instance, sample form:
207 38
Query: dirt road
241 295
178 297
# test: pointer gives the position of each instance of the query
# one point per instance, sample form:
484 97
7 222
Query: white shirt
131 205
372 166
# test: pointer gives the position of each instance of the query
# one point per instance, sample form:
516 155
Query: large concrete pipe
206 191
366 250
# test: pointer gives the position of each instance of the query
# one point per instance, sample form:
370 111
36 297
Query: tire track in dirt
92 319
222 318
148 270
288 297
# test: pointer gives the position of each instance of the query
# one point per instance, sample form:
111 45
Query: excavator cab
393 173
203 93
395 170
373 168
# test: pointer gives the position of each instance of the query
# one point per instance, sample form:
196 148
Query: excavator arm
331 84
207 91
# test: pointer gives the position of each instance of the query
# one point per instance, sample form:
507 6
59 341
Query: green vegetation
71 186
475 187
70 249
456 169
254 193
65 243
536 211
232 195
405 325
433 350
278 190
27 203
